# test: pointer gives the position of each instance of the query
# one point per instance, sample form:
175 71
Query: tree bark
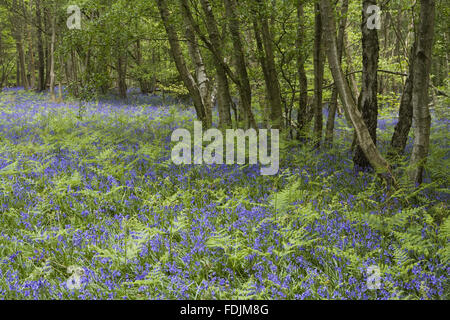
334 95
301 60
420 98
144 84
40 45
241 66
405 117
180 63
31 65
202 79
52 60
16 23
74 70
368 97
264 41
318 76
223 89
363 134
121 73
47 23
351 78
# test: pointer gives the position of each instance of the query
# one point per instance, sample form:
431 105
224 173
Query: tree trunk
17 72
301 59
241 66
74 70
202 79
47 59
40 45
363 134
16 22
3 64
52 61
405 117
223 89
264 42
180 63
318 76
347 49
274 85
121 72
368 97
334 95
420 98
31 65
143 83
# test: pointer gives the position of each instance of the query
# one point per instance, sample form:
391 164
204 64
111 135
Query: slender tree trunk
420 98
180 63
334 95
274 85
447 59
155 59
405 117
40 45
301 60
17 72
223 89
202 80
24 31
368 97
2 64
52 61
17 24
262 61
60 94
31 65
74 71
122 73
363 134
318 76
143 83
47 24
60 90
351 78
241 66
264 41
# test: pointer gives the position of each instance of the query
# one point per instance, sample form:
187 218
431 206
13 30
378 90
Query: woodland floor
100 194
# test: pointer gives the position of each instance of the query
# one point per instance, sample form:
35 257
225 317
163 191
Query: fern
444 236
